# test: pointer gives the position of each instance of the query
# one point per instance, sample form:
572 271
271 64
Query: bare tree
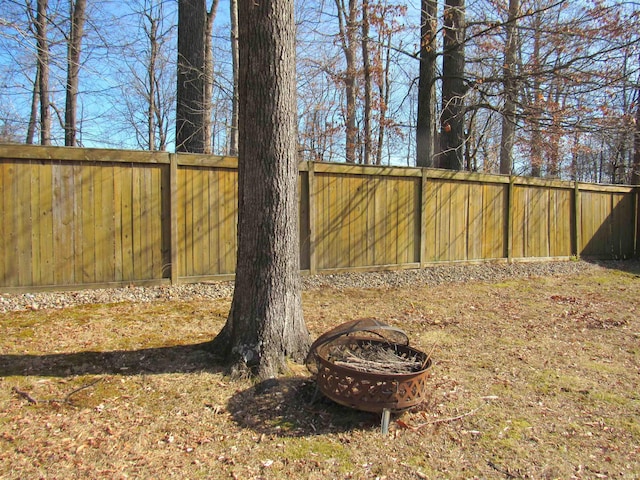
266 324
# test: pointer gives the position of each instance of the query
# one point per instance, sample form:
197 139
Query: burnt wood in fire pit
358 366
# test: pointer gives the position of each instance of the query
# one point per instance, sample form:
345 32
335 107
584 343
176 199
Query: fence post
510 219
173 215
423 217
577 222
311 178
635 222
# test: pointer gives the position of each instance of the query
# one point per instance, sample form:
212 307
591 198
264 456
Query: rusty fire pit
368 365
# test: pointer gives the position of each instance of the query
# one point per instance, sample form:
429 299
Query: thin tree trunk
33 115
635 169
266 324
384 92
510 90
366 64
536 134
426 121
453 88
347 32
43 72
74 47
233 141
208 74
151 77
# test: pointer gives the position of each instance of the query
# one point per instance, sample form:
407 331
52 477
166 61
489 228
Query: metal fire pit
377 392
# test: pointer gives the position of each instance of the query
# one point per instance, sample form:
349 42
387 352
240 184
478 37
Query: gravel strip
435 275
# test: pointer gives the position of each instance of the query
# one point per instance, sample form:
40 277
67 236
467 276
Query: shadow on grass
172 359
290 407
287 407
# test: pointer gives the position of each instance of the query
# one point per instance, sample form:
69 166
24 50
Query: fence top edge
80 154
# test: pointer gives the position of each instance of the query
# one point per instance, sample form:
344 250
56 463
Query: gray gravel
212 290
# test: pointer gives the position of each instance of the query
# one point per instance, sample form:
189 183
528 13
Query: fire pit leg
384 425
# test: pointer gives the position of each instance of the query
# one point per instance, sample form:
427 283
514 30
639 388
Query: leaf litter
532 378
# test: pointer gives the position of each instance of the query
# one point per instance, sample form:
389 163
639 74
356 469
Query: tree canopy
547 87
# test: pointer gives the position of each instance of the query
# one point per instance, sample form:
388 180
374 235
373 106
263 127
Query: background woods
547 88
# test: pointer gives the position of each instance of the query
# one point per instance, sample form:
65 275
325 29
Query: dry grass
533 378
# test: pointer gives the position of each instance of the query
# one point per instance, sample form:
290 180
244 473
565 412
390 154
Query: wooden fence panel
363 220
542 221
465 220
207 218
607 223
71 222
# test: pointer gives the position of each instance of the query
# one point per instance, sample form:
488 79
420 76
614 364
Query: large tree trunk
74 47
453 87
43 72
510 90
190 106
265 324
426 122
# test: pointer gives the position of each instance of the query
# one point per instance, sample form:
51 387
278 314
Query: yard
533 378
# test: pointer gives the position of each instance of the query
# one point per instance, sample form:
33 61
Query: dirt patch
532 378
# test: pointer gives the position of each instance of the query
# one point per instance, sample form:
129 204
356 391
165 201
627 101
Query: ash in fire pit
369 365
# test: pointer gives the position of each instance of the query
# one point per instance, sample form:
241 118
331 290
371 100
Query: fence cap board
463 176
594 187
351 169
203 160
75 154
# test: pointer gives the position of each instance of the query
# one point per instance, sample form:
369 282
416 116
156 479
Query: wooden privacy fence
75 217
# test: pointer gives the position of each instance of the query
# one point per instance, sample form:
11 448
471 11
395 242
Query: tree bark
43 72
74 48
190 107
426 121
510 90
266 324
453 87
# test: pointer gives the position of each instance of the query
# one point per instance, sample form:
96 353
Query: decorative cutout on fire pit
369 365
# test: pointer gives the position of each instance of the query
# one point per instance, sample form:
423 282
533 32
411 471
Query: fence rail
75 217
